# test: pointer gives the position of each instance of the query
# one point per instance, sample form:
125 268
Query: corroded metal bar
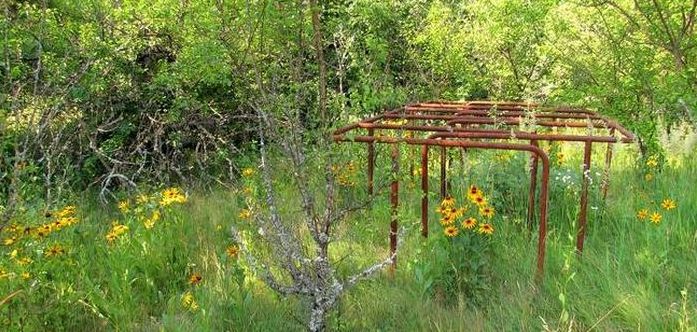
608 164
582 214
394 200
371 163
424 190
533 183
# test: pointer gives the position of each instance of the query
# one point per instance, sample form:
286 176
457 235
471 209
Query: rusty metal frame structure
488 125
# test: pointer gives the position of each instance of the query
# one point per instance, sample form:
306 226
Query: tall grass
633 274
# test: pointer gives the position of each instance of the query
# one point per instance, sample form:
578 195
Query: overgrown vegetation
109 108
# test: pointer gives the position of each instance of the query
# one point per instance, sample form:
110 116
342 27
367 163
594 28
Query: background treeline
100 93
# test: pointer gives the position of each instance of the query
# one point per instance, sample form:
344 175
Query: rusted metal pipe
371 163
394 200
582 214
424 191
533 183
608 165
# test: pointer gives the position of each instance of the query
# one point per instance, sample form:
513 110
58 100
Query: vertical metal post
542 238
412 157
371 162
533 184
608 164
424 191
443 175
394 200
582 215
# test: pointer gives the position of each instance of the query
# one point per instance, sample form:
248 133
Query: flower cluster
171 196
116 231
651 165
59 220
655 216
148 209
345 175
451 214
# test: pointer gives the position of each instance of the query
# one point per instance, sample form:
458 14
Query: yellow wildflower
486 211
656 218
189 302
469 223
55 250
447 220
150 222
479 200
642 214
473 192
232 250
244 214
24 261
172 195
648 177
66 211
486 229
451 231
448 201
669 204
124 206
248 172
9 241
26 275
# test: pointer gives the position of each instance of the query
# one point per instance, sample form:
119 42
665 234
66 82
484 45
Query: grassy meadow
163 259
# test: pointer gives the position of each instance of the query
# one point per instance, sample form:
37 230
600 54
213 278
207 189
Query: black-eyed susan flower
172 195
656 218
232 251
642 214
469 223
473 192
448 201
479 200
116 231
486 211
25 275
487 229
67 211
451 231
447 220
54 250
195 279
668 204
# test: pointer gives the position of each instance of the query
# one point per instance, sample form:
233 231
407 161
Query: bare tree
292 268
